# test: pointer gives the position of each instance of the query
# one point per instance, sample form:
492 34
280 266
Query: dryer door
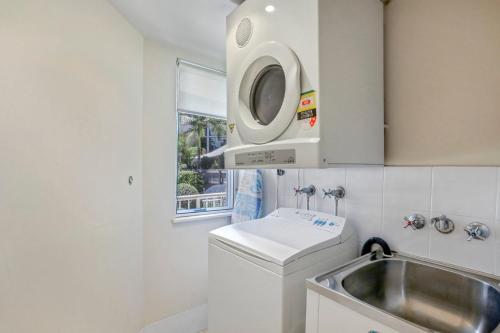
269 92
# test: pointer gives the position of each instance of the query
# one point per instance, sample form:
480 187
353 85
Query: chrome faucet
309 191
477 230
337 193
414 221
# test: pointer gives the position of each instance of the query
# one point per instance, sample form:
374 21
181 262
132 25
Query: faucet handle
477 230
337 193
414 221
309 190
297 190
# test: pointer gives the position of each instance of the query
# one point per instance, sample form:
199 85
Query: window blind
201 90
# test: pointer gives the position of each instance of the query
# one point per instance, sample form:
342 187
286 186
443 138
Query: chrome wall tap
414 221
309 191
477 230
337 193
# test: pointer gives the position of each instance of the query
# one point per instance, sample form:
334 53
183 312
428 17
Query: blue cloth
249 199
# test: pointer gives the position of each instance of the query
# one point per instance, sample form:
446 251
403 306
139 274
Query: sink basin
431 296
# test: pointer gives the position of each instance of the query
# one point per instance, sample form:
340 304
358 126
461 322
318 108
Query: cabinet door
335 318
442 82
312 312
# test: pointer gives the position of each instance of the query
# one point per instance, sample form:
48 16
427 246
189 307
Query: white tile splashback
497 249
407 191
454 249
287 183
364 200
408 188
378 198
498 195
329 180
465 191
497 228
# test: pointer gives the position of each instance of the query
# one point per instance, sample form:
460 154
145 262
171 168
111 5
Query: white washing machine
257 269
305 84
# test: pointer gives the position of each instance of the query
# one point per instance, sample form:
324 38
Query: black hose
367 247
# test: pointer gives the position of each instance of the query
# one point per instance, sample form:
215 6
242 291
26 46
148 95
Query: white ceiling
195 24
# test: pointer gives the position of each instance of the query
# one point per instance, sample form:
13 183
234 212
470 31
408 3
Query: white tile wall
498 195
328 179
286 185
407 191
378 198
497 261
269 191
497 229
454 249
364 197
465 191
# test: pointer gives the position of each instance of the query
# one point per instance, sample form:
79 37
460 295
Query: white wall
70 136
175 256
378 198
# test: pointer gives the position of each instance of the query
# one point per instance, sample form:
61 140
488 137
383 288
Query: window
203 185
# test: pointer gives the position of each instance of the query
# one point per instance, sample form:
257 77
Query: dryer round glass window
267 94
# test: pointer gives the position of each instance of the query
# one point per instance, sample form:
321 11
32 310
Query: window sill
201 217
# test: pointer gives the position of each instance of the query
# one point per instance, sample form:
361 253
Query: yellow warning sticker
307 105
231 127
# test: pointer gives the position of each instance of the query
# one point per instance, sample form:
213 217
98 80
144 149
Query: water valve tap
337 193
414 221
477 230
309 191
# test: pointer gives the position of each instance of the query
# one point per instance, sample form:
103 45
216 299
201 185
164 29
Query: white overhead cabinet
442 81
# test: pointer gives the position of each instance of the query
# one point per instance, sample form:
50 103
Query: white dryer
257 269
305 84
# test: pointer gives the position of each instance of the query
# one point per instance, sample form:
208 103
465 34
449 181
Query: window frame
193 213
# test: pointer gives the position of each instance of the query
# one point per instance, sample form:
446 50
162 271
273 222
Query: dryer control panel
286 156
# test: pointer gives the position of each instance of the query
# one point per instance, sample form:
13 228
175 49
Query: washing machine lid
284 236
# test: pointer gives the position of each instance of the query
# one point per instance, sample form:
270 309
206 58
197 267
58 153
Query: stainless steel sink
427 295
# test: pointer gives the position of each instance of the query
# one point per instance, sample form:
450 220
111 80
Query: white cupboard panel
335 318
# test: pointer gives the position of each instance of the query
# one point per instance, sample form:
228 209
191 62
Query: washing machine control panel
330 225
318 220
312 219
